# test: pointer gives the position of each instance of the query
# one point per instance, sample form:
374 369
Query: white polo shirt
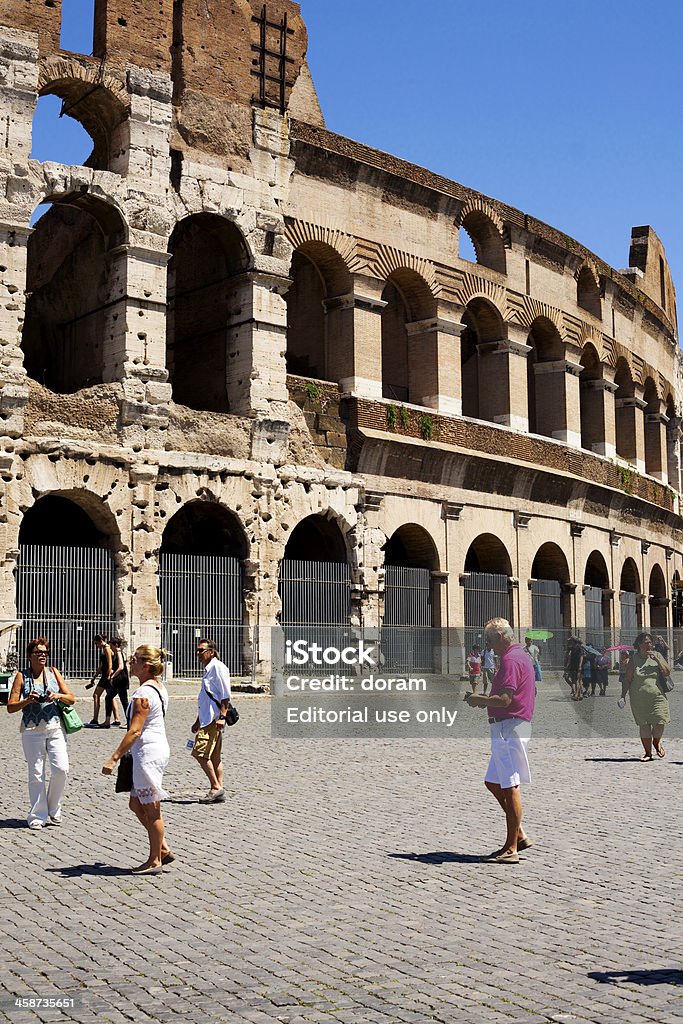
216 679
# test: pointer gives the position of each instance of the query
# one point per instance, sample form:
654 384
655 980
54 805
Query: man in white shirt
213 702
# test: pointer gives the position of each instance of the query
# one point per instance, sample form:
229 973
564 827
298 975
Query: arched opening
545 386
597 595
631 607
66 578
319 329
677 605
56 136
208 256
201 588
658 599
626 409
588 293
483 324
78 26
550 599
654 447
315 581
68 286
411 601
592 421
486 241
409 371
486 583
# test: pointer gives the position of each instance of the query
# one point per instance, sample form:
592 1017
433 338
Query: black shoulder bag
232 715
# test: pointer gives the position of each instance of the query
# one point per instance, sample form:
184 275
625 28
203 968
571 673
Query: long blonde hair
153 657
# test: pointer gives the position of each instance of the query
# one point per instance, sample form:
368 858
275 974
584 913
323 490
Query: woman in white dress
146 741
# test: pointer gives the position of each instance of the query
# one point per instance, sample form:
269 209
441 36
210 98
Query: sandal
646 757
659 750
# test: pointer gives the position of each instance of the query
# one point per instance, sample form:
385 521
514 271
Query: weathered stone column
140 144
353 338
434 364
18 97
673 452
630 429
142 610
557 400
13 383
135 326
503 383
256 372
598 425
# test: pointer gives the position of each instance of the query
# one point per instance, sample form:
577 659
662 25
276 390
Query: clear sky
570 111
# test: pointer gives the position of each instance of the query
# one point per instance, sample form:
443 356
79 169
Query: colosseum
247 378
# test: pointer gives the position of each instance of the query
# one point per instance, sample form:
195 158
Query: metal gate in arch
407 635
487 596
68 595
316 600
201 596
546 613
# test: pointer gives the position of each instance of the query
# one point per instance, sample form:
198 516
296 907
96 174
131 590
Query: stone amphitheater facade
231 308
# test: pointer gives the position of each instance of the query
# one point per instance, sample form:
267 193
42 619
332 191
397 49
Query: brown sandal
659 750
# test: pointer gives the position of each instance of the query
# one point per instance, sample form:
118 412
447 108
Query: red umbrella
619 647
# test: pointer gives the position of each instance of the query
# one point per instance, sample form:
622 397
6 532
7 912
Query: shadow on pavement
78 870
613 760
440 857
666 976
13 823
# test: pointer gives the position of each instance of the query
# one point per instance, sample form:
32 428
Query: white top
489 661
216 679
151 744
533 652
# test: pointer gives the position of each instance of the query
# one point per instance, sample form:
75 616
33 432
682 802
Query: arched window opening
550 599
68 289
626 408
78 26
658 599
409 357
66 579
487 592
654 454
208 256
319 323
483 324
411 601
545 385
588 293
485 241
598 608
631 606
677 604
57 137
315 580
201 588
592 412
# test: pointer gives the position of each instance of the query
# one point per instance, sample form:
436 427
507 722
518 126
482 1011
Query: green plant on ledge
391 416
404 416
625 479
426 426
312 391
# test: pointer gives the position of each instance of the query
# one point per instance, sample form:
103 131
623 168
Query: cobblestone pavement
341 882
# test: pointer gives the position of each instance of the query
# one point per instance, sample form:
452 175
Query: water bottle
189 745
621 703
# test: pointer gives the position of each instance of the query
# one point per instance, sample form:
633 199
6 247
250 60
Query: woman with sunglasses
146 741
37 691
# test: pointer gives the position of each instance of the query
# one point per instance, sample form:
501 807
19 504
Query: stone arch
677 601
204 527
547 346
631 606
412 600
407 369
588 291
69 518
595 572
592 421
97 100
208 257
486 581
655 454
626 411
411 546
485 229
657 598
598 599
69 282
315 320
488 554
550 594
483 323
315 578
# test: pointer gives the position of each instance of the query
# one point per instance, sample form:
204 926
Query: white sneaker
54 821
35 825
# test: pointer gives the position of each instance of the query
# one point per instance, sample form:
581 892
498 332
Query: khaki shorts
208 743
